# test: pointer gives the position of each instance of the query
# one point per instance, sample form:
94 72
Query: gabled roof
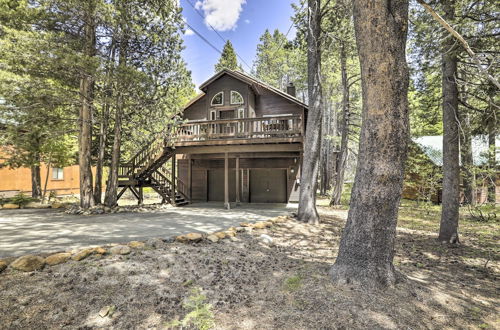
248 80
432 146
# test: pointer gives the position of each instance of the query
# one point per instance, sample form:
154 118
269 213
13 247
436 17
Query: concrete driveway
37 231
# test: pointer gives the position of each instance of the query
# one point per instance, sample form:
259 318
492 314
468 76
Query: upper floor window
218 99
236 98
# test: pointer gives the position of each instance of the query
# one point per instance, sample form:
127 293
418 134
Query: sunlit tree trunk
85 116
366 250
342 156
310 163
448 230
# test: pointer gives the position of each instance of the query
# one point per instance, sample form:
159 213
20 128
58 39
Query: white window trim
59 171
231 98
215 114
212 102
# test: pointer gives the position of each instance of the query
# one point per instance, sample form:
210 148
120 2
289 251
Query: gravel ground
252 285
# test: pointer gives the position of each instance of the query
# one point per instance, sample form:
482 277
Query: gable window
57 173
218 99
236 98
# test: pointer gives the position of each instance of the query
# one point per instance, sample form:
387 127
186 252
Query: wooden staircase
148 168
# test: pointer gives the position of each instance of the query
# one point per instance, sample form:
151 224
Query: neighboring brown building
241 142
62 181
430 148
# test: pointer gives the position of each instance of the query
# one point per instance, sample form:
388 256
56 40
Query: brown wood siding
199 184
182 170
197 110
226 84
269 103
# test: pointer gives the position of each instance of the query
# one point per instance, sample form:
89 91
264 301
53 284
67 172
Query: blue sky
241 21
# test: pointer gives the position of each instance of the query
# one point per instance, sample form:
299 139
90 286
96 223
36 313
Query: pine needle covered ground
248 284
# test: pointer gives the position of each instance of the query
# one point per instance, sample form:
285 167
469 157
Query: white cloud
247 21
221 14
189 32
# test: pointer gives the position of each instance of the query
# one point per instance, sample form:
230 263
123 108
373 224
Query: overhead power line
220 36
203 38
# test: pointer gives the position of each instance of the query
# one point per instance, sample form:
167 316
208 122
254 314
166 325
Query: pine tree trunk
85 116
36 185
367 246
308 180
448 231
492 164
112 183
100 157
342 156
467 163
103 134
111 198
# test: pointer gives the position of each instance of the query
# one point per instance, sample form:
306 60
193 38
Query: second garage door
268 186
216 185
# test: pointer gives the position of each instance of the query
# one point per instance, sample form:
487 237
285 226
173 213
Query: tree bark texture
85 116
342 156
36 184
467 161
448 230
492 163
111 198
367 246
310 162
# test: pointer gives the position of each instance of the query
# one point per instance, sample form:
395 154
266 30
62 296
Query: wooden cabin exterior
240 141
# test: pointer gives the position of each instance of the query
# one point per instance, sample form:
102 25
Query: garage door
268 186
216 185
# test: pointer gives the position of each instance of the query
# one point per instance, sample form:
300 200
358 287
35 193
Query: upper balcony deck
259 130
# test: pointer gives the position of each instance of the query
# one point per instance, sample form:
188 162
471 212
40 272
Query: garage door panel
268 186
216 185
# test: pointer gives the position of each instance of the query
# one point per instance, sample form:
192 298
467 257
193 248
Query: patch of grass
200 313
293 283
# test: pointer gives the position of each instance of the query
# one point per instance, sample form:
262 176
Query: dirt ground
251 285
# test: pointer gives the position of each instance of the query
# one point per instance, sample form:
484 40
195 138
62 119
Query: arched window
236 98
218 99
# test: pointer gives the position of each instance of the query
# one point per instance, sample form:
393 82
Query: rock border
30 263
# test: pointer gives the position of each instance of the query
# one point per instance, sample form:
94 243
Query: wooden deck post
226 182
141 195
174 188
237 180
189 178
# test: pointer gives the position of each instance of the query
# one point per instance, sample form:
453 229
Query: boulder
240 229
266 239
58 258
189 238
120 249
57 205
137 245
245 224
230 233
36 205
261 225
10 206
220 234
213 238
3 265
155 243
194 237
100 250
82 254
28 263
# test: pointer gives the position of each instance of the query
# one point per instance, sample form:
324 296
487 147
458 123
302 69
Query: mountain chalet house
241 141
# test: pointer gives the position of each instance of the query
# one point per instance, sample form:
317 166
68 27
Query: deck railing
243 128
